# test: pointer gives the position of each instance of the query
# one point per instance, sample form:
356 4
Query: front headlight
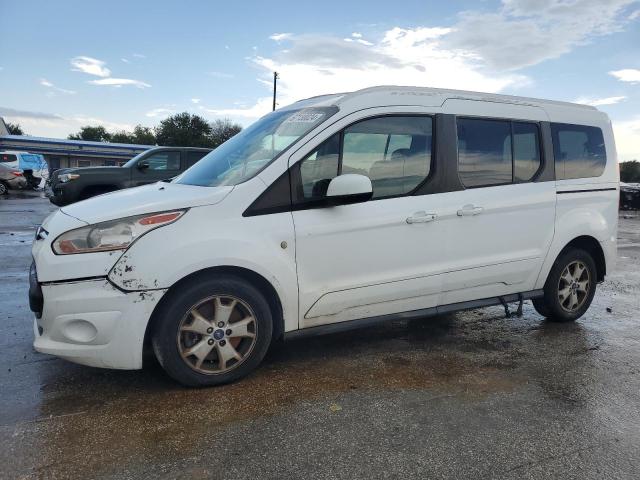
67 177
113 235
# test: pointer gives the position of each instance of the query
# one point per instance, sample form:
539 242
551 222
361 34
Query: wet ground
471 395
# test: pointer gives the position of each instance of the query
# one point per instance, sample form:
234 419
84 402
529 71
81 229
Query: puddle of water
167 421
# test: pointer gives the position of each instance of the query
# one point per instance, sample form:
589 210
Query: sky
70 63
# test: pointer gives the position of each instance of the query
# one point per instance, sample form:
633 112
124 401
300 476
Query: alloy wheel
217 334
574 286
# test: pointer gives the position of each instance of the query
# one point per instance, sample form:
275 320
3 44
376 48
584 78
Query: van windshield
244 155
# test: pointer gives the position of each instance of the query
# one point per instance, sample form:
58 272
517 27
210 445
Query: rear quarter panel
586 206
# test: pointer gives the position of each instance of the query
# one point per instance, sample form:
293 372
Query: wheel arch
254 278
584 242
591 245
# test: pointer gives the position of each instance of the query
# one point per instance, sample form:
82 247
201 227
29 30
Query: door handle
470 210
421 217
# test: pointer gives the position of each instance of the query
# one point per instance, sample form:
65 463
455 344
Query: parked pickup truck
69 185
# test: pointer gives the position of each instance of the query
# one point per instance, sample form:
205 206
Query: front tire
212 331
570 287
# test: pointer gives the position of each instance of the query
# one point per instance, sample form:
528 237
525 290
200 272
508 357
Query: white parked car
334 213
33 165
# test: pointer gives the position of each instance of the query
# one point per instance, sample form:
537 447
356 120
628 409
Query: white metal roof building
70 153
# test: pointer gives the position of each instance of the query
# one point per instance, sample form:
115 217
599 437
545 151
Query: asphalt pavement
470 395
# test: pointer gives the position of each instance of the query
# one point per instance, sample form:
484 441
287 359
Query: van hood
157 197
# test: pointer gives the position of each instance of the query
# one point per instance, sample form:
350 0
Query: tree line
630 172
179 130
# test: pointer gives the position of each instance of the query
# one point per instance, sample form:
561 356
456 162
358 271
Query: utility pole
275 78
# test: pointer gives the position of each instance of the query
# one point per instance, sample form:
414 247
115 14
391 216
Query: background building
70 153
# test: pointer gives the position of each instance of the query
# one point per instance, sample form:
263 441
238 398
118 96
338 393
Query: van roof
431 96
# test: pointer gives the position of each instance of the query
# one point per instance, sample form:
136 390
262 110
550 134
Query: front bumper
93 323
62 194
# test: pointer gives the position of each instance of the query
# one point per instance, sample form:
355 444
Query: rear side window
484 152
7 157
497 152
578 150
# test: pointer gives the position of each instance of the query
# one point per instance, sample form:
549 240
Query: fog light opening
80 331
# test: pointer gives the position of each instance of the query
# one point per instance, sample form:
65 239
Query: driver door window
318 168
393 151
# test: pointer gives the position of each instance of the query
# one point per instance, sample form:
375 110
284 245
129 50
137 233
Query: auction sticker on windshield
305 117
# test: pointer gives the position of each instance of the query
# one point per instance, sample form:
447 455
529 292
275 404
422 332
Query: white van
334 213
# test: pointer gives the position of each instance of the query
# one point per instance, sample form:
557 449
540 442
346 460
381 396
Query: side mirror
143 165
349 188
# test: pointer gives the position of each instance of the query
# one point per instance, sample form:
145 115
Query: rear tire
570 287
541 307
4 190
212 331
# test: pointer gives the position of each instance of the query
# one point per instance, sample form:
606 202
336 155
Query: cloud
91 66
57 126
627 135
195 101
357 37
119 82
630 75
526 32
96 67
358 40
481 51
82 120
25 114
596 102
261 107
634 15
278 37
317 64
125 60
159 112
53 89
139 55
326 51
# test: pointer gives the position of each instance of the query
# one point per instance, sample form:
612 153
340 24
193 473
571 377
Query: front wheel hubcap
217 334
574 286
